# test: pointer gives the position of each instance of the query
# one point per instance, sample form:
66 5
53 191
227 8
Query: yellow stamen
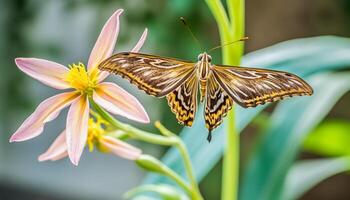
96 131
80 79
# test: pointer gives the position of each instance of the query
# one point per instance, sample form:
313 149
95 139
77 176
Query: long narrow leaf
290 122
306 174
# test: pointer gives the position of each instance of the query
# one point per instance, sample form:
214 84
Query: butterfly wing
218 103
183 101
250 87
155 75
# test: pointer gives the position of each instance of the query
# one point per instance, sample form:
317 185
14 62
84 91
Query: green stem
222 20
132 131
230 168
189 170
183 151
153 164
169 140
231 55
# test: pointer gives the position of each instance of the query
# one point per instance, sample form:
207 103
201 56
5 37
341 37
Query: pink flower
96 136
86 84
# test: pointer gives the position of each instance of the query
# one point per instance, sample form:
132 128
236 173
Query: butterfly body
203 69
219 86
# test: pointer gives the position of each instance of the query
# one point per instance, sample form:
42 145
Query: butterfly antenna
189 30
220 46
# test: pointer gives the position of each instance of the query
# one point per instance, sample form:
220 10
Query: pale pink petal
140 42
77 128
48 72
105 43
101 76
57 150
45 112
61 156
120 148
117 101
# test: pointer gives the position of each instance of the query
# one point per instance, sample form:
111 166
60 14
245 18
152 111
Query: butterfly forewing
217 104
221 85
250 87
156 75
183 101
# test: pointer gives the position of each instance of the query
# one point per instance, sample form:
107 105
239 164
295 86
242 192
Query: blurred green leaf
332 134
301 56
304 175
290 123
167 192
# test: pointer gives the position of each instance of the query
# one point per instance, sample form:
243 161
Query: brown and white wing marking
183 101
250 87
155 75
217 104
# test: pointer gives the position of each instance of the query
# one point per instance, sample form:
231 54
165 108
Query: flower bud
150 163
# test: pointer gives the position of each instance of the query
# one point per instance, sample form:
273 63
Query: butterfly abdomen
203 89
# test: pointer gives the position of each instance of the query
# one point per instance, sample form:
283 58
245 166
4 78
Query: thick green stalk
230 30
223 23
231 154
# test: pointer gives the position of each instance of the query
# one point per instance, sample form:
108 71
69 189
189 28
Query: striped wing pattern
179 82
183 101
155 75
250 87
217 104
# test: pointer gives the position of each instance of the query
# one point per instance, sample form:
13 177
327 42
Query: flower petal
45 112
48 72
57 150
120 148
77 128
105 43
117 101
102 75
140 42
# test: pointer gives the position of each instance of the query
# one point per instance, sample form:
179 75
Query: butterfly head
204 57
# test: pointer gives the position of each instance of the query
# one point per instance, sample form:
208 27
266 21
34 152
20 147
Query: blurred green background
65 31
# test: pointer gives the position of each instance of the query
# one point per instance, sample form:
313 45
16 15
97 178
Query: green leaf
167 192
306 174
333 134
289 125
302 56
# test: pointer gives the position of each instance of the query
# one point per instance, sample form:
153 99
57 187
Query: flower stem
153 164
132 131
189 170
230 30
169 140
183 152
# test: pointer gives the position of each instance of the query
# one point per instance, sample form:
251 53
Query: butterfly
219 86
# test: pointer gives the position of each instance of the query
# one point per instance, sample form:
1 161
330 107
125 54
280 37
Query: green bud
151 163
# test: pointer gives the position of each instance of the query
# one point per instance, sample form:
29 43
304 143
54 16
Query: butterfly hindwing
217 104
183 101
156 75
250 87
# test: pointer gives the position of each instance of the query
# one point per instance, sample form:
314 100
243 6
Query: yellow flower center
98 128
80 79
95 132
